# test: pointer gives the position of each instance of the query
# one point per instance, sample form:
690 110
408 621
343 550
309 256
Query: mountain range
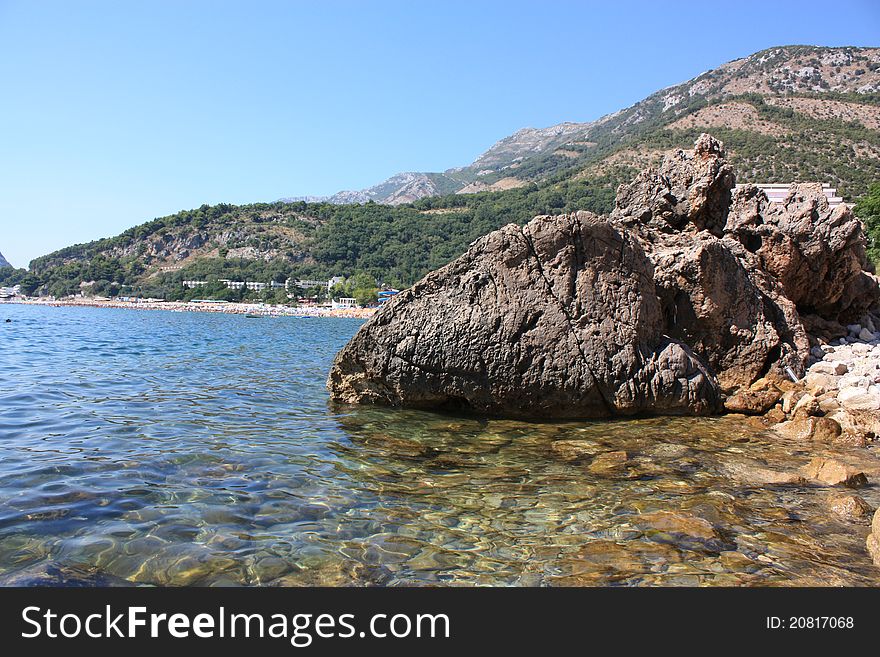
785 114
4 262
777 75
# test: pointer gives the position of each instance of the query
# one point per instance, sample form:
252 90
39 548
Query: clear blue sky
114 113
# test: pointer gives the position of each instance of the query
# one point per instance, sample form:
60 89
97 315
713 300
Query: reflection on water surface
164 448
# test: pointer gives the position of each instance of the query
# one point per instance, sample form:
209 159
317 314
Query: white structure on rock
776 192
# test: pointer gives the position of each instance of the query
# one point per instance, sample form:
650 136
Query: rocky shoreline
261 309
837 399
835 405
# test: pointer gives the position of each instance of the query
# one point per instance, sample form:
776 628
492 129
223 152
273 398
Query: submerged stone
572 450
679 523
849 507
608 463
756 474
52 574
833 472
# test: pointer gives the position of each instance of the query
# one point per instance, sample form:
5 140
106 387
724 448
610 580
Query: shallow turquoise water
175 448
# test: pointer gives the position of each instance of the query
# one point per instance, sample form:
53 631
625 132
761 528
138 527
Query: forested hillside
263 242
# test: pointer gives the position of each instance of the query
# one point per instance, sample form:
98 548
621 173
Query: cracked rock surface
665 306
558 318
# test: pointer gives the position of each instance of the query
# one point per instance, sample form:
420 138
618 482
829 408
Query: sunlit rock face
558 318
664 306
815 251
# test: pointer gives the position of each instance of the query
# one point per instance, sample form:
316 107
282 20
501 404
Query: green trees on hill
393 245
103 276
868 210
10 276
361 287
398 245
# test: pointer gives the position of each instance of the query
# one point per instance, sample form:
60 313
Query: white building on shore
236 285
344 303
10 292
776 192
292 285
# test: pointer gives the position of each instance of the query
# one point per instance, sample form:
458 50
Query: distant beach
261 309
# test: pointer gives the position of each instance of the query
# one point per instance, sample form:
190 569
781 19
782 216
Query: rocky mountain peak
527 141
793 78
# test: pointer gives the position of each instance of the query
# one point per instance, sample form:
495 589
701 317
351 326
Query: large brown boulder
816 252
717 300
559 318
662 307
688 188
715 296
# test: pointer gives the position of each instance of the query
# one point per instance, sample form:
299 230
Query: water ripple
175 449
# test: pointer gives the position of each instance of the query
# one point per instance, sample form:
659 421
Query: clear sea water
160 448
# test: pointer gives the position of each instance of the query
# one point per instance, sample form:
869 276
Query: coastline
232 308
